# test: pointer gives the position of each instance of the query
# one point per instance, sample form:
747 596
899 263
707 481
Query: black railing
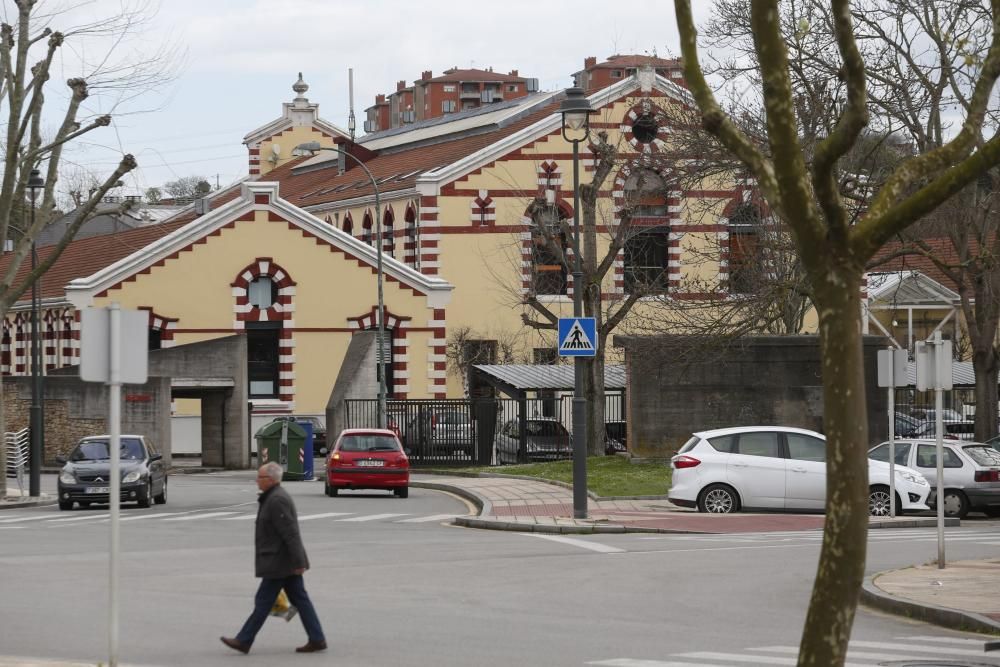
916 414
485 431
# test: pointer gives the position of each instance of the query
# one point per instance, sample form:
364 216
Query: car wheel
161 499
718 499
403 492
65 504
146 497
878 502
331 490
955 504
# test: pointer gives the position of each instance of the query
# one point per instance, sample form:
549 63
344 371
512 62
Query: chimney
513 72
400 85
589 61
426 75
380 99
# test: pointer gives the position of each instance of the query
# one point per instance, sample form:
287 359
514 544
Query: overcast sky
241 57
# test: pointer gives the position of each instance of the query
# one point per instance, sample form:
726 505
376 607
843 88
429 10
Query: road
394 584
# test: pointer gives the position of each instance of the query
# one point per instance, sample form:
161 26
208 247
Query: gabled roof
630 61
907 288
184 235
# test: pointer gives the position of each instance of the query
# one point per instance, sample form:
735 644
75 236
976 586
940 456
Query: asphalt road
395 585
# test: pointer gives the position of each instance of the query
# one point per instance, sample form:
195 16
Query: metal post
579 401
114 494
35 411
892 444
939 435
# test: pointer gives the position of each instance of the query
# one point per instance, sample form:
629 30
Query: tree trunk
593 384
842 558
985 364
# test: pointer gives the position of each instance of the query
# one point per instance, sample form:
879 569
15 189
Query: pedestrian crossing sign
577 337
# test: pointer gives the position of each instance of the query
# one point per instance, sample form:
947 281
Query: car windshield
368 443
545 428
97 450
983 455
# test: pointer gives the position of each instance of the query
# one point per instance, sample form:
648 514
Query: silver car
971 472
544 440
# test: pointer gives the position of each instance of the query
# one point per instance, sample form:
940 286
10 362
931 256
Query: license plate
374 463
98 489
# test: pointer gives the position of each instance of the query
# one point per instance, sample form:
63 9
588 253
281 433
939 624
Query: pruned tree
30 51
153 195
803 188
188 187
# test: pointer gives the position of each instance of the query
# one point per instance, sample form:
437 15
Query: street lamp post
312 147
35 183
576 112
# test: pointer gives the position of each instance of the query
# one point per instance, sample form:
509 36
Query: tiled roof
393 171
470 75
618 61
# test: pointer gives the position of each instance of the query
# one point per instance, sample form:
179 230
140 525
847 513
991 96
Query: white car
775 468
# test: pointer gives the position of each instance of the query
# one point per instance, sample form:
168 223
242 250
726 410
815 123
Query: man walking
280 559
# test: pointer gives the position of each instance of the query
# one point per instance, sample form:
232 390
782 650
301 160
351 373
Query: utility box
284 441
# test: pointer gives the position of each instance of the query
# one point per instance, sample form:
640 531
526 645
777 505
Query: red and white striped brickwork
430 263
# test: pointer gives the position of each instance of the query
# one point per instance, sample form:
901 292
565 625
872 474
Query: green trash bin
283 441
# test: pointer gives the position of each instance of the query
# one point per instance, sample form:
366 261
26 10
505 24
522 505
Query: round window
644 128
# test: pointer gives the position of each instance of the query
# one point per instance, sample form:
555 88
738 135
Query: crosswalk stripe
309 517
944 640
851 653
756 659
78 518
891 646
151 516
195 517
632 662
432 517
583 544
242 517
33 517
372 517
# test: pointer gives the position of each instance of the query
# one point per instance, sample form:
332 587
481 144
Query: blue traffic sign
577 337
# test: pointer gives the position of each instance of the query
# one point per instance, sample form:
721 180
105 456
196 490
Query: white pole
939 430
892 443
114 424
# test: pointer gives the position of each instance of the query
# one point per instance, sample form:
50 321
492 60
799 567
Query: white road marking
891 646
242 517
583 544
631 662
851 653
757 659
150 516
79 518
372 517
432 517
195 517
945 640
32 517
309 517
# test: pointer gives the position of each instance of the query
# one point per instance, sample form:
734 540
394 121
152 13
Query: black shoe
311 647
237 645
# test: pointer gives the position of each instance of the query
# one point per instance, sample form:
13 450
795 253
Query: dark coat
278 545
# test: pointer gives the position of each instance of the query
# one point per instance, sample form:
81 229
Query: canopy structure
517 380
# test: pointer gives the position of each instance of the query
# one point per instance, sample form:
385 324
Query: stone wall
674 389
74 409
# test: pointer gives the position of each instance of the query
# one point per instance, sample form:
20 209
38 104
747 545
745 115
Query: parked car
86 473
546 439
368 459
971 472
615 433
774 468
440 432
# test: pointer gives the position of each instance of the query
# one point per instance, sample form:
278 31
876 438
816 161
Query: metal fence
916 413
485 431
17 455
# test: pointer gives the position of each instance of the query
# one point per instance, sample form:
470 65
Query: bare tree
188 187
29 49
803 188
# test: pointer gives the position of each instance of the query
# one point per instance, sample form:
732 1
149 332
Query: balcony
491 95
469 93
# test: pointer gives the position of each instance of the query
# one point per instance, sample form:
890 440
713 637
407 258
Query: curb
500 524
184 470
925 522
553 482
967 621
484 506
17 504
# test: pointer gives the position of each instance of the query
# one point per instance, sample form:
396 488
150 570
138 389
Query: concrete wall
74 409
355 380
768 380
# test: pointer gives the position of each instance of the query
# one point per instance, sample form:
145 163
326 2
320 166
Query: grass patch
606 475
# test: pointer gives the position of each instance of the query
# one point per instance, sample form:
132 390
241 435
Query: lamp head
576 110
35 181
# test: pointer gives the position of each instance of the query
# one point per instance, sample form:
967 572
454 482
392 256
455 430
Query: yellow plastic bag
282 607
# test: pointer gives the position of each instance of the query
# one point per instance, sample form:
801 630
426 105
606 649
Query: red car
368 458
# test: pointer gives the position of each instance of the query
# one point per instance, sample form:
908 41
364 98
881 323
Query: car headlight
132 477
913 477
66 477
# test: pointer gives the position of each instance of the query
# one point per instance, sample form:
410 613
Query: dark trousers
267 593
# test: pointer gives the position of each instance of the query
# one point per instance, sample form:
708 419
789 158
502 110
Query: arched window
646 251
348 224
388 240
548 243
411 250
366 228
263 292
745 266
